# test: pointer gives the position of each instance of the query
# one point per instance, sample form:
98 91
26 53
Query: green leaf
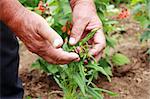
52 68
89 36
100 69
120 59
44 68
111 41
133 2
80 82
41 64
81 70
90 79
94 93
29 3
28 97
36 64
106 66
58 82
106 91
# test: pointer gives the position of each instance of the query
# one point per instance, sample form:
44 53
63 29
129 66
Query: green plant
76 78
30 3
141 13
76 75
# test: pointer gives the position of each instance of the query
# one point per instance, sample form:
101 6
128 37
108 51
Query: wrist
11 10
12 14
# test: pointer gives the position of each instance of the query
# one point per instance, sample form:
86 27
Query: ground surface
130 81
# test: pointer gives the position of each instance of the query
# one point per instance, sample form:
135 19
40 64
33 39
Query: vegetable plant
76 78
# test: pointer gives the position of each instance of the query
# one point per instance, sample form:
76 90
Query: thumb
77 31
51 35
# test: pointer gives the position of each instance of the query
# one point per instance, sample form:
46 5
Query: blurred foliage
117 2
141 13
30 3
120 59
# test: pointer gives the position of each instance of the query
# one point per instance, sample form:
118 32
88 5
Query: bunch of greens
76 78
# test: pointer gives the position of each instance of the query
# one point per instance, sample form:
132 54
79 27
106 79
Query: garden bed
131 81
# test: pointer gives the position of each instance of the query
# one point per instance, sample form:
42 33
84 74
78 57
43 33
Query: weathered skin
41 39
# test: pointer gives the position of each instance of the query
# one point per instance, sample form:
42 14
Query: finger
77 31
51 35
66 57
60 56
99 43
98 57
93 25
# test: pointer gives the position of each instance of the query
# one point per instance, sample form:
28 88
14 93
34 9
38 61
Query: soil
131 81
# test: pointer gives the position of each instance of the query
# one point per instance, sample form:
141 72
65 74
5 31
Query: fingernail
72 41
57 42
74 55
77 60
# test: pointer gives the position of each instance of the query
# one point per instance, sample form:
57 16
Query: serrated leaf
120 59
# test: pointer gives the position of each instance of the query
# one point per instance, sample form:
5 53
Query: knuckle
51 61
57 57
60 58
104 44
38 48
85 19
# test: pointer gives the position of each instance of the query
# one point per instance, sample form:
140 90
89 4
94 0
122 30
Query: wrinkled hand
39 38
85 19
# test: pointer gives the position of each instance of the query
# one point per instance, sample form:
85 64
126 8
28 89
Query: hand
85 19
39 38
